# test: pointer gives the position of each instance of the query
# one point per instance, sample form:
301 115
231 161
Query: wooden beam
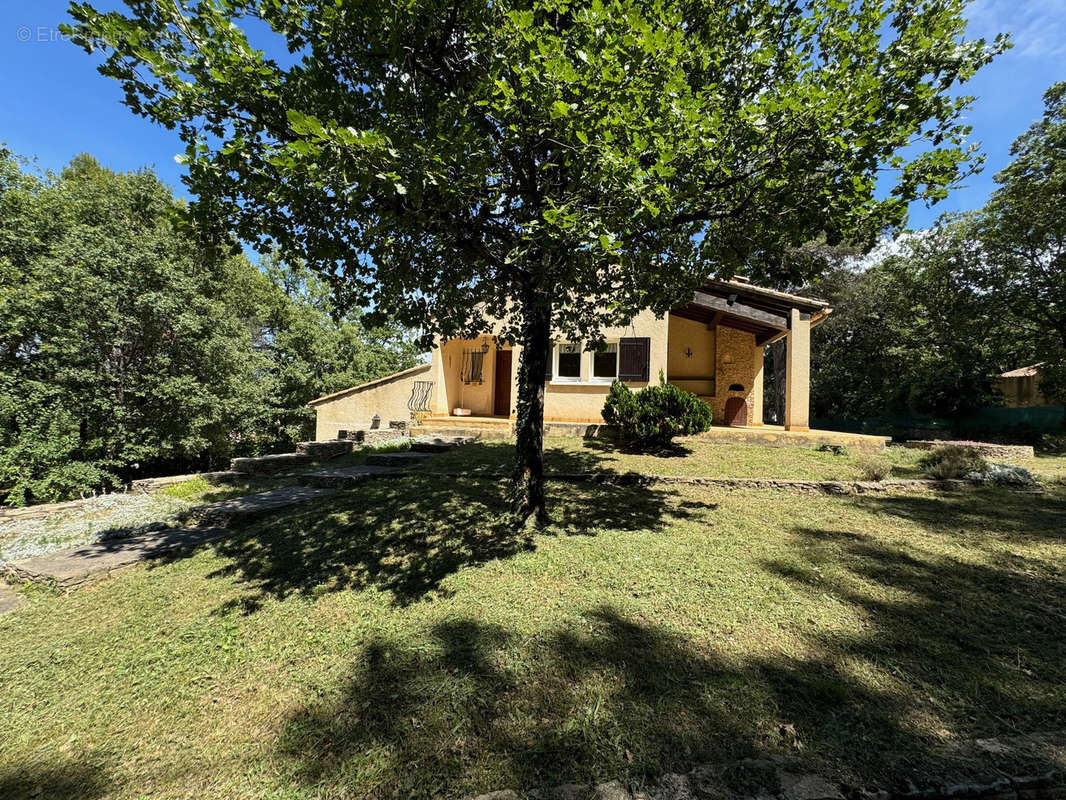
717 318
738 309
769 337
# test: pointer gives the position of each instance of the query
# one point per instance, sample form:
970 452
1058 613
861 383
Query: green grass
691 458
199 490
401 640
700 458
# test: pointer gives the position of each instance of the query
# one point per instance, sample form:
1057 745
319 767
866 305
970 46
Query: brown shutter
548 366
634 356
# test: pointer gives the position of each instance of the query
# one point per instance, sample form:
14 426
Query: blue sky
53 103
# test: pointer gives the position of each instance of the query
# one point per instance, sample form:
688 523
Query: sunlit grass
400 639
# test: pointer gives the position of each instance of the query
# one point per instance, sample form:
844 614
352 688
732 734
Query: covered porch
716 348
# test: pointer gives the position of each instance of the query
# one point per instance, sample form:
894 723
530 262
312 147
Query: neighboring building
1021 387
711 346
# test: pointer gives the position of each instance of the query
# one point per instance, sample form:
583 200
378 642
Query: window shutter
548 366
634 356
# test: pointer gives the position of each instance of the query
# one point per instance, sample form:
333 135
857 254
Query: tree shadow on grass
982 515
476 707
919 655
675 449
55 781
405 536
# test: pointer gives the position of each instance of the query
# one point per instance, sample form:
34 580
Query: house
711 346
1021 387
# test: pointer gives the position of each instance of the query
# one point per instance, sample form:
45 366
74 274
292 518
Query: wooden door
501 404
736 412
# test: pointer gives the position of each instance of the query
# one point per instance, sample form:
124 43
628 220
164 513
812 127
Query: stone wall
996 452
734 366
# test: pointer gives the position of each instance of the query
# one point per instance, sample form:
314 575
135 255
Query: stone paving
69 568
9 599
252 506
344 477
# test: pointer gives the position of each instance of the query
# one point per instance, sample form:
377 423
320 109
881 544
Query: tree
1023 232
315 349
911 334
557 166
117 344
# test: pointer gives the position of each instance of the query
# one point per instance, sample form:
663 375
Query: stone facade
734 374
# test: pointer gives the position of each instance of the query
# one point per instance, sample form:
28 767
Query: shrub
953 462
873 468
654 415
1005 475
1053 443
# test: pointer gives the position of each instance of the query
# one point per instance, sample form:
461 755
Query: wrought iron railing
420 393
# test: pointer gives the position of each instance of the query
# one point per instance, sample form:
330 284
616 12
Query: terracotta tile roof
1023 372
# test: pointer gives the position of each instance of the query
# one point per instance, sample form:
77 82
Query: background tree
315 349
1023 232
911 334
559 166
116 344
128 348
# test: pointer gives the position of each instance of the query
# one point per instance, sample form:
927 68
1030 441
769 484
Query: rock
502 794
808 787
611 791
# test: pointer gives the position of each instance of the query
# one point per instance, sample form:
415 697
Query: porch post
798 372
755 417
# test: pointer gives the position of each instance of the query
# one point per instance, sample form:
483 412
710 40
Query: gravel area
89 523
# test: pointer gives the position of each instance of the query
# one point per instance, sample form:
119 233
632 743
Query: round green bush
654 415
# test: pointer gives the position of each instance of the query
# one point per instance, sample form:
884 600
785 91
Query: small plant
1053 443
653 416
1005 475
835 449
186 489
953 462
873 468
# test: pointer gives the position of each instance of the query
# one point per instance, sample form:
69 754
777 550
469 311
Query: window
568 367
605 363
473 367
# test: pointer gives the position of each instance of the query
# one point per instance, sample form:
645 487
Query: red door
501 404
736 412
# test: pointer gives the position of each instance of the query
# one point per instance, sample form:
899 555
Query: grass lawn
400 640
696 457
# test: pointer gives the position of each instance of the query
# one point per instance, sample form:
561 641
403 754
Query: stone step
324 451
347 477
249 507
67 569
439 444
403 459
271 465
496 432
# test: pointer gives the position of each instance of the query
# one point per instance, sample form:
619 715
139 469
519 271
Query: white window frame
556 377
593 377
587 362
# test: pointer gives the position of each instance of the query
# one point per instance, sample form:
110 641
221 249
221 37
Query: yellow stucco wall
719 358
583 402
454 393
355 408
693 373
1022 392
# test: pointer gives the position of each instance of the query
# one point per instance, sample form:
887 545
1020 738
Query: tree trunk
527 487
